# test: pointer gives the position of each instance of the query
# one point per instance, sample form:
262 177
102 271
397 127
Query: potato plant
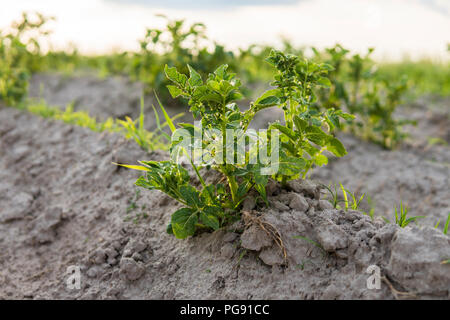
19 56
178 44
357 86
306 131
298 144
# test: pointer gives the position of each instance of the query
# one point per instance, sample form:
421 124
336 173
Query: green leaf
190 195
209 216
144 183
336 147
320 160
233 96
173 75
269 101
316 135
269 98
195 79
221 71
300 123
261 188
290 166
324 82
174 91
183 222
288 132
207 193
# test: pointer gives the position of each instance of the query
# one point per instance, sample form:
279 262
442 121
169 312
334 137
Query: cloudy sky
395 27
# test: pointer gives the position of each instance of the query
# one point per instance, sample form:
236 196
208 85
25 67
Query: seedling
447 222
334 196
354 204
401 218
223 126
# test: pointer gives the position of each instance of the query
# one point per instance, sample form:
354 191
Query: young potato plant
255 156
334 95
178 44
374 100
358 87
19 56
306 133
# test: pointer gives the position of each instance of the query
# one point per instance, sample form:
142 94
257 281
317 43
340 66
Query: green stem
233 188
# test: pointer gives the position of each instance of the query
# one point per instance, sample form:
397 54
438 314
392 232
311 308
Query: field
362 179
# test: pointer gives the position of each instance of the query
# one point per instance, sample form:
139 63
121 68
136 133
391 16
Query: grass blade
134 167
446 224
168 119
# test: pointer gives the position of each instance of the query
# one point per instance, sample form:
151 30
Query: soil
63 204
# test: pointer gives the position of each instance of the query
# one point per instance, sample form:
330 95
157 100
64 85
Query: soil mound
63 205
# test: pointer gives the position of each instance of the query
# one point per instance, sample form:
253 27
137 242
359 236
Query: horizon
391 27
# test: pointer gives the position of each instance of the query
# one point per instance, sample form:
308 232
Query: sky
396 28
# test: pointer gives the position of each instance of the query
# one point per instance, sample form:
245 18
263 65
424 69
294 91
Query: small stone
331 236
116 245
133 246
305 187
131 269
227 251
99 256
22 202
271 256
298 203
342 253
136 256
254 238
277 205
230 236
94 271
44 226
111 253
325 204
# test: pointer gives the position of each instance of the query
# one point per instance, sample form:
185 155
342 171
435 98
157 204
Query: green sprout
401 218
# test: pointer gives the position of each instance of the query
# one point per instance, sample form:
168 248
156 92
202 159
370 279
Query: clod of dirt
305 187
131 269
331 236
413 264
44 226
254 238
298 203
133 246
271 256
23 203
